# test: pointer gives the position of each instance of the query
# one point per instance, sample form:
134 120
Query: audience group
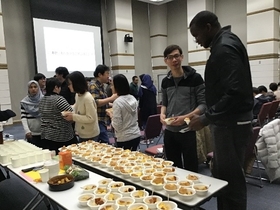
69 108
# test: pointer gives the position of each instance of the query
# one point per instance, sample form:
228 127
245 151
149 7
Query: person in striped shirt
56 132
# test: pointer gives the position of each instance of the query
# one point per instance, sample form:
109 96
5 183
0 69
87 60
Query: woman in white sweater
85 113
30 116
124 116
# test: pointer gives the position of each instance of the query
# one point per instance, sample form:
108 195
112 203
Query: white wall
19 47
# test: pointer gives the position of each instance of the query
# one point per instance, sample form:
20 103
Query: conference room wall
19 49
19 38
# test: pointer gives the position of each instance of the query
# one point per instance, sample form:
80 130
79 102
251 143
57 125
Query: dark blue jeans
229 152
181 149
103 136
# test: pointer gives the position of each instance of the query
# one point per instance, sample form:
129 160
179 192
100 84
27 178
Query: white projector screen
74 46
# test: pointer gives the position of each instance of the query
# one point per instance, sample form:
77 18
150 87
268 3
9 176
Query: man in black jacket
229 100
61 73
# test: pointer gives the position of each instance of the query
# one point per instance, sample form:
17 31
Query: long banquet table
216 184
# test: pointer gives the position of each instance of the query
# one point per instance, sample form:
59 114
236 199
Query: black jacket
229 96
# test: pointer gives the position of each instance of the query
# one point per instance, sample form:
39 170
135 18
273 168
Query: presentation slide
75 46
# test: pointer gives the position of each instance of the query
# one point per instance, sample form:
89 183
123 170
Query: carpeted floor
15 194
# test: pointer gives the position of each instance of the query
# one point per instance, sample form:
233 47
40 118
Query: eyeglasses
171 57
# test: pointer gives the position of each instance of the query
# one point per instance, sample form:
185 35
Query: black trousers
131 144
36 140
181 149
229 152
53 145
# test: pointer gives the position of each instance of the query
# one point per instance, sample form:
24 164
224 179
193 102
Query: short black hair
100 69
134 77
262 88
39 76
273 86
79 82
121 85
202 18
256 90
51 83
170 49
62 71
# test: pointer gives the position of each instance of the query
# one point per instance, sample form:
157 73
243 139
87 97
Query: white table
66 199
216 184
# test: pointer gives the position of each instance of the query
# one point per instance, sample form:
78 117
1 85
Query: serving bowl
94 203
61 182
89 188
109 206
146 179
171 188
114 186
137 206
201 188
101 191
186 193
104 182
84 198
112 197
157 183
139 195
124 202
170 205
152 201
194 178
126 190
171 178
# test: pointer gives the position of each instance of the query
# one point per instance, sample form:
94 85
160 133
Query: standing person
56 132
182 97
147 99
61 74
134 87
41 79
109 91
124 116
30 115
85 110
97 91
229 101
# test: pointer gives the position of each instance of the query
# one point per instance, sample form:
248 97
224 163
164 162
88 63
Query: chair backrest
262 116
249 153
153 126
159 108
273 109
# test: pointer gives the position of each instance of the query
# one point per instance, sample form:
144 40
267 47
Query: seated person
260 97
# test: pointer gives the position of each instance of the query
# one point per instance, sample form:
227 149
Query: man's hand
179 120
195 123
162 118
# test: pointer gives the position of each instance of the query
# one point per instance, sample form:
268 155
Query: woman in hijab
30 116
147 99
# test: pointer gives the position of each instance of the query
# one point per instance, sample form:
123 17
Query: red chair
273 109
263 114
152 130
